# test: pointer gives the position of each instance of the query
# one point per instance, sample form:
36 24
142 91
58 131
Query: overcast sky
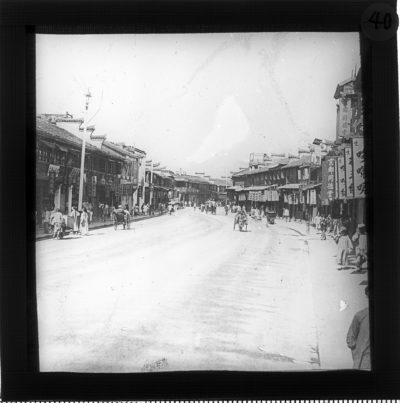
200 102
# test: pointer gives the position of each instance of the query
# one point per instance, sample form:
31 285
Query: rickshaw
271 215
121 216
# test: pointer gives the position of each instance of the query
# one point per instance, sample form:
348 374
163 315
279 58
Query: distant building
349 116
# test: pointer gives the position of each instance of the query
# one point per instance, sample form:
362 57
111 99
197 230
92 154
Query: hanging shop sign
302 198
336 179
331 178
358 167
348 162
313 197
51 182
255 195
92 186
53 169
341 168
324 186
242 197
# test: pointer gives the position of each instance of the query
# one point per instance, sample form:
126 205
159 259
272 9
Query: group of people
54 221
357 243
346 244
81 220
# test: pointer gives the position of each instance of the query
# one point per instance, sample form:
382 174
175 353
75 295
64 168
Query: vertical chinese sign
331 178
358 167
348 161
341 178
324 187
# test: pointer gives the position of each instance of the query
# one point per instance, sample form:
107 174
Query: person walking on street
358 338
56 222
75 216
360 242
84 222
286 214
323 225
345 246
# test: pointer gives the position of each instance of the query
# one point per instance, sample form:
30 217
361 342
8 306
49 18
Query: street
182 292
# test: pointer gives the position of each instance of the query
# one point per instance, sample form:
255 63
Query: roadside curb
100 226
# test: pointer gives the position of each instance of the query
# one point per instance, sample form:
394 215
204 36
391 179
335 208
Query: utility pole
151 184
88 96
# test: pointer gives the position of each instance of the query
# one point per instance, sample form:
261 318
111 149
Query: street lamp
88 96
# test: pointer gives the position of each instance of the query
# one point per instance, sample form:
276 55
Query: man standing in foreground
358 338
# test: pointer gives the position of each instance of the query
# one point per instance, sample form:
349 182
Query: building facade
112 171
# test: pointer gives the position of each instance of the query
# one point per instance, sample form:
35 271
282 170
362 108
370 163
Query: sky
199 102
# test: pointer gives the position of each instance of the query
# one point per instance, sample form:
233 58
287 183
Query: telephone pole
88 96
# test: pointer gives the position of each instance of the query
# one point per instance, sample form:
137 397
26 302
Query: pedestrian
317 222
345 246
323 224
360 243
106 212
56 221
286 214
358 338
75 216
226 209
84 222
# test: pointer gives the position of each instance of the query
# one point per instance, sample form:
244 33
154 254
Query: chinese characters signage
359 167
348 162
341 178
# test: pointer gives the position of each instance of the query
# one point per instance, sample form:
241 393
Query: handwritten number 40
377 21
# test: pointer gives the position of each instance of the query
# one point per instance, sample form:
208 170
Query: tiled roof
289 186
51 131
303 161
118 149
221 182
190 178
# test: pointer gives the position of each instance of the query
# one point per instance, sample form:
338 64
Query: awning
290 186
47 144
256 188
308 187
62 148
234 188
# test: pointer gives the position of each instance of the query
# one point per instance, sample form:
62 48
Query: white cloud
230 128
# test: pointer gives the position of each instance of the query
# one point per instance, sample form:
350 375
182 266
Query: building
113 172
286 182
160 186
191 188
129 192
58 159
343 192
